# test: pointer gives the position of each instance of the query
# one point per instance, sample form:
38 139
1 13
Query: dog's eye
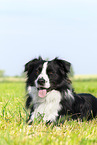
37 72
51 73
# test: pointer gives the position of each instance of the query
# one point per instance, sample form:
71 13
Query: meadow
13 115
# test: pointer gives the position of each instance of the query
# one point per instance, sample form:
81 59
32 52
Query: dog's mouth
42 92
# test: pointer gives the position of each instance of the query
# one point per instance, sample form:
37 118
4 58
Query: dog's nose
41 81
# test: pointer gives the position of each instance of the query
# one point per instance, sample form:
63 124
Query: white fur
44 76
47 106
69 95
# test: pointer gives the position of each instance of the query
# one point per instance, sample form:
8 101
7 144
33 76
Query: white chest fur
48 106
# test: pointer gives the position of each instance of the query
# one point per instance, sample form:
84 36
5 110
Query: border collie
51 95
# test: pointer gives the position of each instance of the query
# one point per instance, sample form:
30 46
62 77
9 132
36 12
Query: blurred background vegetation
22 77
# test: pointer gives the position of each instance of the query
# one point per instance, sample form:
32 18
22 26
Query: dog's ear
31 64
64 64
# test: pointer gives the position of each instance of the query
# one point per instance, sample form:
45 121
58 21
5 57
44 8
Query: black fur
83 106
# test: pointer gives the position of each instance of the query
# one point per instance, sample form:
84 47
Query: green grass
14 130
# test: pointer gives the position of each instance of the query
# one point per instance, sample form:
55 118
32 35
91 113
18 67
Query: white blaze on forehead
44 68
44 75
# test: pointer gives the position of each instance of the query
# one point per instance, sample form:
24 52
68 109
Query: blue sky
50 28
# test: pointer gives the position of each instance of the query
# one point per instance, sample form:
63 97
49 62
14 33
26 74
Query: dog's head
47 75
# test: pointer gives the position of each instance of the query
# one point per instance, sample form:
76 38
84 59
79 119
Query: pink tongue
42 93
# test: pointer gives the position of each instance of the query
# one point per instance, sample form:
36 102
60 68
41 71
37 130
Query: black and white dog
50 92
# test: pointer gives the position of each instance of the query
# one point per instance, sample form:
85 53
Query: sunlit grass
15 131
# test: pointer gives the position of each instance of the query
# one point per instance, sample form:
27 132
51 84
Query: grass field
14 130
